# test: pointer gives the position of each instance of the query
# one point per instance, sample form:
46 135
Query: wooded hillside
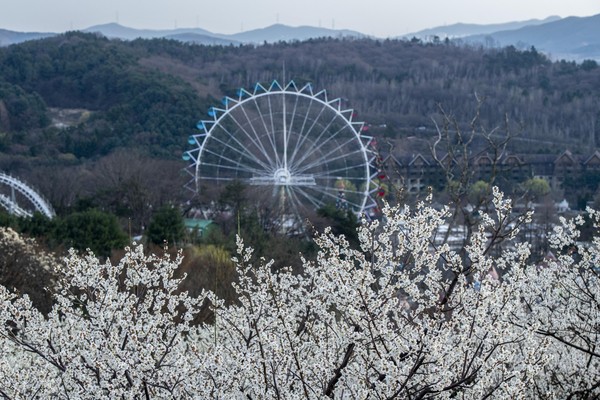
148 94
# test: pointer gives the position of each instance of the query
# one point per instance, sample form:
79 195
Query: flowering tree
561 300
397 318
115 331
24 266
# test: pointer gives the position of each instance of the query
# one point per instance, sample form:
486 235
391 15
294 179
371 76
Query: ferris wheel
294 148
22 200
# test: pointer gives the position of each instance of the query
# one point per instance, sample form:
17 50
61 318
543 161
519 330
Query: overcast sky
381 18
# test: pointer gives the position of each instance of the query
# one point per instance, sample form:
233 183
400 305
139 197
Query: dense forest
99 123
148 93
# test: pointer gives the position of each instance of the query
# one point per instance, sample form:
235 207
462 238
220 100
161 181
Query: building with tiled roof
416 171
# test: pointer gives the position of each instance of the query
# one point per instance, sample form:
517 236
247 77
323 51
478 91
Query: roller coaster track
37 200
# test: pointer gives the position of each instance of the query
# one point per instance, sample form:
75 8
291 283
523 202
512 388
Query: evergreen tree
166 226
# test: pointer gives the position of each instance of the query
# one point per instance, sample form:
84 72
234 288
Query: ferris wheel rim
218 115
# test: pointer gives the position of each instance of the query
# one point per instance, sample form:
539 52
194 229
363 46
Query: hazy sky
380 18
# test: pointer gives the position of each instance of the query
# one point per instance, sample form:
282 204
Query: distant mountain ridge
280 32
196 38
192 35
116 31
573 38
11 37
270 34
461 29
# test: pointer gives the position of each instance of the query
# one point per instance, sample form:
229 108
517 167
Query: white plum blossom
115 331
400 317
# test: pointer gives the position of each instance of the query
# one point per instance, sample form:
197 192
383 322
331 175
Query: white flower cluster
398 318
22 253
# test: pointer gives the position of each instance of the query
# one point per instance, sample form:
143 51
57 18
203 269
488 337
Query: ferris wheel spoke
305 135
239 168
255 140
322 169
242 151
334 173
214 136
273 131
268 132
315 142
311 199
318 143
295 202
327 159
297 205
333 194
219 179
232 161
290 128
294 114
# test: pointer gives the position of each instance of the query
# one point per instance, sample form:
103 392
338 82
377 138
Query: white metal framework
288 143
32 198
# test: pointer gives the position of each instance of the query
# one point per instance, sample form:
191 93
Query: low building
577 175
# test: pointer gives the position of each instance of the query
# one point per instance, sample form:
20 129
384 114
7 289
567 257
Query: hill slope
279 32
462 29
117 31
11 37
148 94
570 38
270 34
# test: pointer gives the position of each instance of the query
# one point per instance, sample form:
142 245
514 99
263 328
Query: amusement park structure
22 200
293 146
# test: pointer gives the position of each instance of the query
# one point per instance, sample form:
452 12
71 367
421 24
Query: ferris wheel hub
283 177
